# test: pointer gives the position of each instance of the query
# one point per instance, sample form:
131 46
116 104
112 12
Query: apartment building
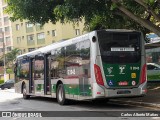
27 36
5 29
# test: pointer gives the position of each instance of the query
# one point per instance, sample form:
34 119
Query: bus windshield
119 47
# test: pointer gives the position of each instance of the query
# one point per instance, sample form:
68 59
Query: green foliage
40 11
150 2
10 57
113 6
108 14
9 71
98 14
1 81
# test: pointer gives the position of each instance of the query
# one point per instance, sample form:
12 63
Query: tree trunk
141 2
147 24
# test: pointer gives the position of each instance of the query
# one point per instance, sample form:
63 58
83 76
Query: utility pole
4 59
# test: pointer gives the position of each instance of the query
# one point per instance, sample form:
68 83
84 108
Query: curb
138 103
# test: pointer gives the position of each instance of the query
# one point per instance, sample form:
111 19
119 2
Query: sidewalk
152 99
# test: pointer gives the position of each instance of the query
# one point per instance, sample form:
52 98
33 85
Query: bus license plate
123 92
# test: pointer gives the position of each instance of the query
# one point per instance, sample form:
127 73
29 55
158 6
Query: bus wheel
61 95
25 96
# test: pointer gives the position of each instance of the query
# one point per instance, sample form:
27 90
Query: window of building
48 32
7 29
3 2
6 19
18 39
20 52
30 49
9 49
41 35
1 49
4 8
30 37
1 30
29 25
39 27
8 39
53 33
1 39
77 31
17 27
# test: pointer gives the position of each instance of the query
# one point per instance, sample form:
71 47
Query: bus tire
24 92
61 95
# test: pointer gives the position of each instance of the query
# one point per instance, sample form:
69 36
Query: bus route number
71 72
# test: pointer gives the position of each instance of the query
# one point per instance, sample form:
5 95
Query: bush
9 71
1 81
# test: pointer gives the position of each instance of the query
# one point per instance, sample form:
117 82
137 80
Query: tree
37 11
137 14
10 57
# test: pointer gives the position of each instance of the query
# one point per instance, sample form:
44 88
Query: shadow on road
102 105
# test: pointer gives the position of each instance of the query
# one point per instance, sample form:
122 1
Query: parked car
153 71
8 84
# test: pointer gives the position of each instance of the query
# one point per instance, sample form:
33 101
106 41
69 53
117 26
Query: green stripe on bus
84 90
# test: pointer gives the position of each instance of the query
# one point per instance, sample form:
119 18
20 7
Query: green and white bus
102 64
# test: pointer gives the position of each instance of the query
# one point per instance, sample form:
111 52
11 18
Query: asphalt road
10 101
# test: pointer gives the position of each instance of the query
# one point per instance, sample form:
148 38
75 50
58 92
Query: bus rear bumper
101 92
132 92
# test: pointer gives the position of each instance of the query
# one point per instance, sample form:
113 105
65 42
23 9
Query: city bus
102 64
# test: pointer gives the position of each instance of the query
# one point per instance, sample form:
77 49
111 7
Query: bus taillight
98 75
143 74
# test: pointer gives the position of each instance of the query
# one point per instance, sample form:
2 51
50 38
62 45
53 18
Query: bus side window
85 57
55 62
39 68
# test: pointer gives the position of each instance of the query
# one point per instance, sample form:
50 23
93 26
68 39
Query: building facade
27 36
5 30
